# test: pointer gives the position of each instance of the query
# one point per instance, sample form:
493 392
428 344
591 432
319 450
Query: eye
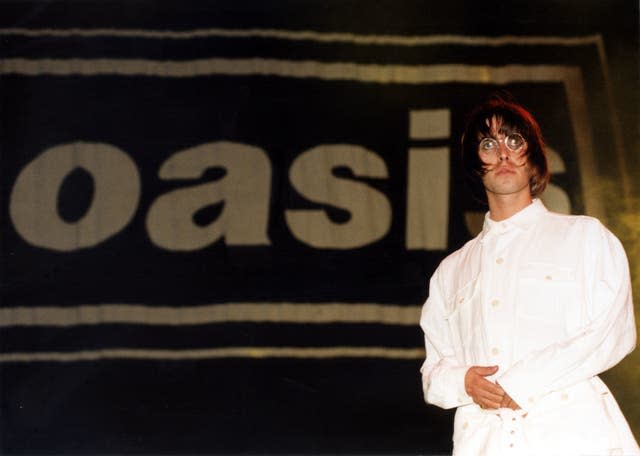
514 141
488 144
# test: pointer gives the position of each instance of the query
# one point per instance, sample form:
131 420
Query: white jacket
547 298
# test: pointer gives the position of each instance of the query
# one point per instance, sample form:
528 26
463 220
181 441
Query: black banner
209 231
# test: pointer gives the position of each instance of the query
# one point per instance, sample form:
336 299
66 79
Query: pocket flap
547 272
461 298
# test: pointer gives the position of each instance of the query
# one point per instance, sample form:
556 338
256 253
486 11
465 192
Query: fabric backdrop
218 221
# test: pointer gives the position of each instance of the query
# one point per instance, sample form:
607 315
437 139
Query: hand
484 392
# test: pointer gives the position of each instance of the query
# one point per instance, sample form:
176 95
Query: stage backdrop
219 238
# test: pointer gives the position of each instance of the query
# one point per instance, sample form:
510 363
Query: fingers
480 371
488 402
508 402
487 394
475 377
484 392
483 385
492 387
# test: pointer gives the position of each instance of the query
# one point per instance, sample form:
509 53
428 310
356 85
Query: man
521 320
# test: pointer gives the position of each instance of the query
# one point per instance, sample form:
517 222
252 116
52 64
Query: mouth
504 170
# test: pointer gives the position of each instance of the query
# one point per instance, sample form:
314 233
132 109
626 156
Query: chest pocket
546 292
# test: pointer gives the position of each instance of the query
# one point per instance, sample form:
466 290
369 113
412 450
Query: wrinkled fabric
547 298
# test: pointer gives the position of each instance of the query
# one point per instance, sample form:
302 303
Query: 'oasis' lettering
245 191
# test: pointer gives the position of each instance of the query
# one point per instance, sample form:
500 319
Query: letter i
428 181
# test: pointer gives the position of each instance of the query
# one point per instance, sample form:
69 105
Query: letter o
33 201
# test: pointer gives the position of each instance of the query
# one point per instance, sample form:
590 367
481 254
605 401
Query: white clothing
547 298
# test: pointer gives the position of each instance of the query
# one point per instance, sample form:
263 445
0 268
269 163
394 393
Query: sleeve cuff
450 392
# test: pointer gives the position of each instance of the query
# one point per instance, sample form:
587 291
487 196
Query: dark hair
512 118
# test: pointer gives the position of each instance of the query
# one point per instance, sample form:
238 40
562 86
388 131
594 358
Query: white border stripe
383 74
216 353
310 35
208 314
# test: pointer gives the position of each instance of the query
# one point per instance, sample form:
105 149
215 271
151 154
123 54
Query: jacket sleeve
608 335
442 376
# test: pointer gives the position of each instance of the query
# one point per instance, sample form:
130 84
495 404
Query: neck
501 207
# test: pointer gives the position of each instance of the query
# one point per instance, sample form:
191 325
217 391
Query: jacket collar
520 220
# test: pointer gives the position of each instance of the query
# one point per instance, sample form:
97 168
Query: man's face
508 170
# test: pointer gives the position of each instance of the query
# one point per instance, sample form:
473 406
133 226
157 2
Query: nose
503 152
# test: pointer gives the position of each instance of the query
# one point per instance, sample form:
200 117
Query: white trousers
583 419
